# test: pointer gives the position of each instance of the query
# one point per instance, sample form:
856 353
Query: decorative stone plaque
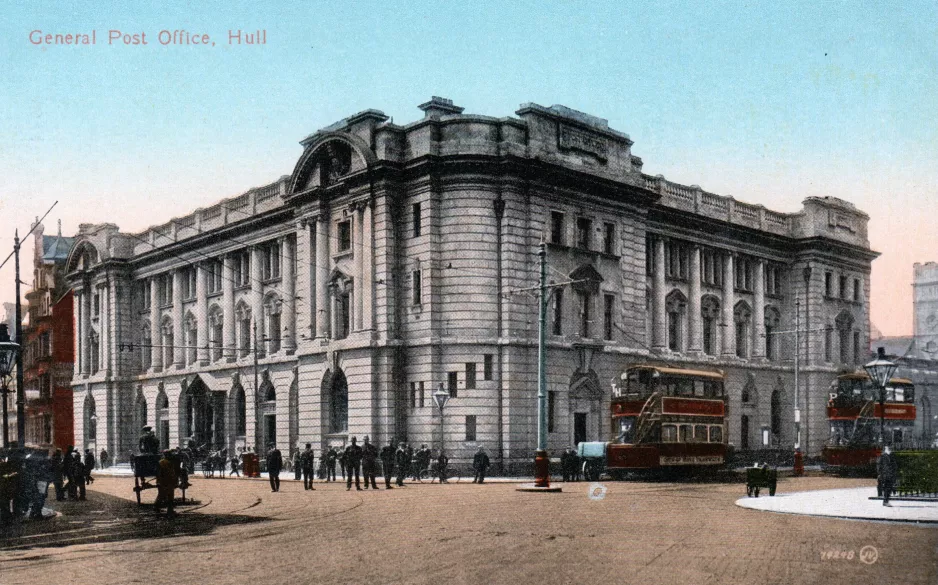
570 138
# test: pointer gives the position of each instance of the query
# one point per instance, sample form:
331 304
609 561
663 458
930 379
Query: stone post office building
396 259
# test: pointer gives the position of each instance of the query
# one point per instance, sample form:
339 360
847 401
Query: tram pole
20 390
541 461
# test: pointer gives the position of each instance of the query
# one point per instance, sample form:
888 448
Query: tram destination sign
690 460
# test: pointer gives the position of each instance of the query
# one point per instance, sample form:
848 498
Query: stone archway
585 410
202 415
334 395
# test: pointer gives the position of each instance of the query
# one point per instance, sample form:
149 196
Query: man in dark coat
370 463
565 464
402 462
411 462
89 465
274 465
887 470
148 441
480 463
387 462
343 461
71 489
442 465
353 464
58 475
331 457
103 460
166 480
307 464
78 475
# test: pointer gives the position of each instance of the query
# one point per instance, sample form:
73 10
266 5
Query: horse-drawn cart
761 477
147 466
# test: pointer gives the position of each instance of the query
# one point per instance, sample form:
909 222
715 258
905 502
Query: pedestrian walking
387 462
103 459
411 462
58 475
369 463
78 475
166 480
353 464
89 465
887 468
307 463
480 463
274 466
442 466
331 458
343 461
297 465
402 462
234 467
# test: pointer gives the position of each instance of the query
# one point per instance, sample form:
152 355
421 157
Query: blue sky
768 102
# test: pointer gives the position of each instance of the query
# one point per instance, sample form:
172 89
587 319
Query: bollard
799 463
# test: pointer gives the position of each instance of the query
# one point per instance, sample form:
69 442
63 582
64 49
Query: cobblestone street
238 531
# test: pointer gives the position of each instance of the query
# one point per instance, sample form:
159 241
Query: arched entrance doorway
90 418
334 395
268 397
586 415
162 418
203 416
140 411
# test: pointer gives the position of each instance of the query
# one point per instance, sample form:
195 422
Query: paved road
646 533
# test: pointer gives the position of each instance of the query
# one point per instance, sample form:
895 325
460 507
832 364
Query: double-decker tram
664 417
854 414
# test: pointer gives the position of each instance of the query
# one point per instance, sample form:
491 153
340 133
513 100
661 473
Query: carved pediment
586 279
585 386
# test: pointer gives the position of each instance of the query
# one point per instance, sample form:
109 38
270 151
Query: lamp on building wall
881 371
441 397
8 352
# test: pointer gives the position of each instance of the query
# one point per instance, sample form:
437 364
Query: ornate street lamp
8 353
881 371
441 397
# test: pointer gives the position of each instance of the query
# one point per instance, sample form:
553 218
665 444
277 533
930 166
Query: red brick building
49 346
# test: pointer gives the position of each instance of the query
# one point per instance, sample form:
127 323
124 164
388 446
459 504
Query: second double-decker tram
667 417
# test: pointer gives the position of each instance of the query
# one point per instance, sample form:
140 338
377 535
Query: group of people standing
357 460
571 465
71 473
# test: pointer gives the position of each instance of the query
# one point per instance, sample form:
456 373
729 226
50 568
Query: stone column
78 333
178 351
729 300
104 326
358 247
322 277
288 311
694 321
758 316
156 340
659 320
86 328
201 315
368 254
257 299
228 307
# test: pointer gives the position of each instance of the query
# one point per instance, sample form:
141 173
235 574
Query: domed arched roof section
310 157
82 256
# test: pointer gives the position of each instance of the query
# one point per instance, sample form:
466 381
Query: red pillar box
799 463
250 465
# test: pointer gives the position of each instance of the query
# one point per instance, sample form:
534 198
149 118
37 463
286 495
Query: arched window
95 346
676 308
772 320
749 390
844 326
167 341
243 317
216 332
191 330
140 411
240 411
90 420
272 308
742 318
710 315
338 403
146 350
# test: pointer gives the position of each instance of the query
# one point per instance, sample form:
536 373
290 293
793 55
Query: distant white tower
925 306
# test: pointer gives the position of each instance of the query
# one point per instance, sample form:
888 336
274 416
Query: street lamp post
8 352
881 371
441 396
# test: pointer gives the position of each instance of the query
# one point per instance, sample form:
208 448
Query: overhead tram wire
2 264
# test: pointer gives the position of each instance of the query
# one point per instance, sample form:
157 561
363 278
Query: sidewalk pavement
126 471
844 503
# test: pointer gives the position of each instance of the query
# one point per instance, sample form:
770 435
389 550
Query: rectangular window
96 304
471 427
557 324
609 302
487 366
413 395
452 379
676 260
556 227
422 396
828 284
584 229
828 335
470 375
674 331
856 347
743 275
843 287
551 401
416 219
416 287
213 276
586 317
857 295
345 235
143 289
609 238
242 268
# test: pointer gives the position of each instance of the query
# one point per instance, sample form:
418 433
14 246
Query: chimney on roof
438 106
60 228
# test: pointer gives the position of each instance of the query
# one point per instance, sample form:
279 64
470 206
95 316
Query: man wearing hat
387 461
306 462
148 441
274 465
370 463
166 480
353 464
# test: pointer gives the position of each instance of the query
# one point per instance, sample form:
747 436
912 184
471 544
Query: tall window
416 219
710 314
742 317
609 238
413 394
676 260
143 289
416 288
487 366
471 427
243 317
166 289
828 340
241 264
556 227
213 276
772 320
272 309
844 325
676 307
843 287
240 408
452 379
343 302
609 303
773 280
857 294
345 235
168 343
421 395
95 351
470 375
828 284
586 316
216 332
270 255
188 283
711 272
584 229
557 323
191 331
743 273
